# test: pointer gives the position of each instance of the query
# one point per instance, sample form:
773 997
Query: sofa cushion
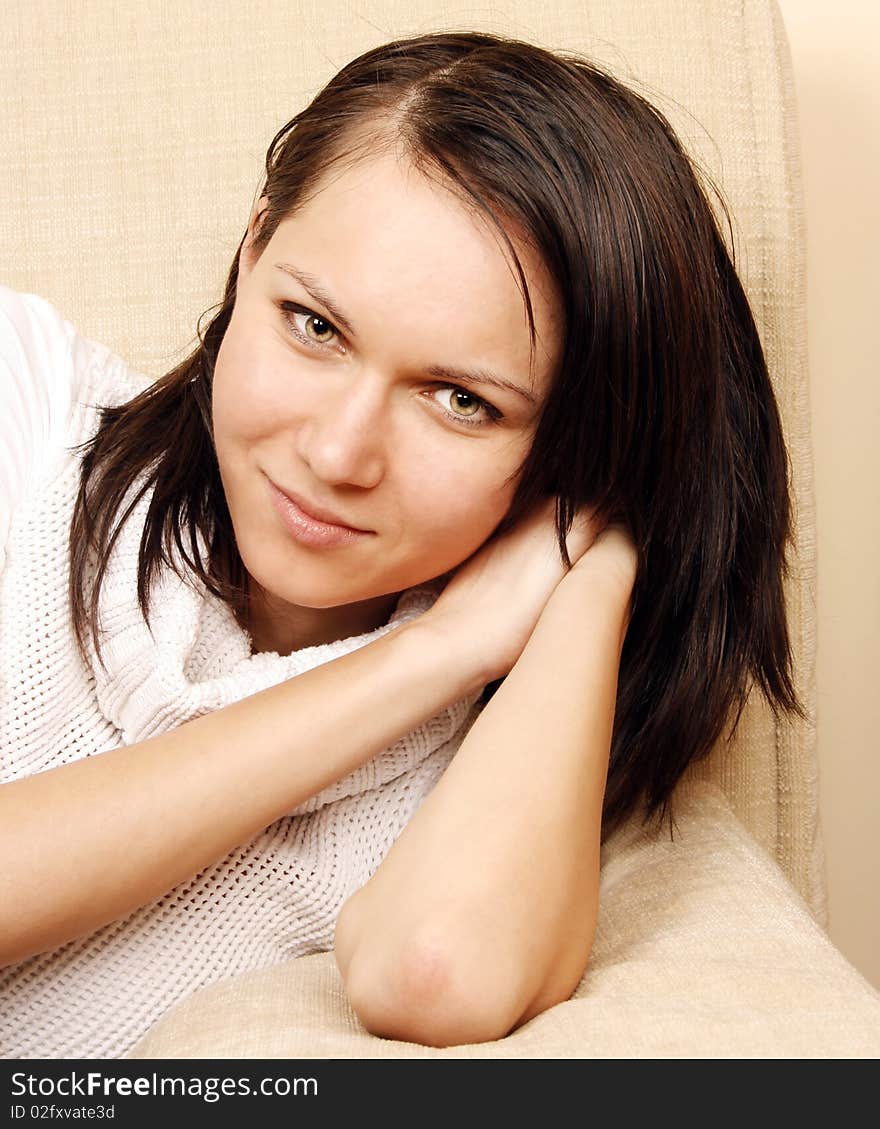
703 950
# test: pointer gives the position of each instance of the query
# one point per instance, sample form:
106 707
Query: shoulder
51 381
46 364
35 350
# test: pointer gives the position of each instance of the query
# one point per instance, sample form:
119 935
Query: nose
342 438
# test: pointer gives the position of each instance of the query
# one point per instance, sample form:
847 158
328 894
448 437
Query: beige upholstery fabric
131 150
702 950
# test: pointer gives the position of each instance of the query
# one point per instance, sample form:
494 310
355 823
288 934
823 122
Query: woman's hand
425 955
494 599
610 564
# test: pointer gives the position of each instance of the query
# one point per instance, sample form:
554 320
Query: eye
463 403
464 407
312 329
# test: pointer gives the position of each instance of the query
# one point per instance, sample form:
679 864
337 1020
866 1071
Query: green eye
464 407
319 329
469 408
307 326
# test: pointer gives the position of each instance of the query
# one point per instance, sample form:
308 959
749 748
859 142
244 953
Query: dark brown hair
662 413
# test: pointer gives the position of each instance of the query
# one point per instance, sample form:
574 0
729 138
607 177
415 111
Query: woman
481 447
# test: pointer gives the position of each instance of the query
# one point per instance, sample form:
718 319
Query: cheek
246 391
454 509
225 394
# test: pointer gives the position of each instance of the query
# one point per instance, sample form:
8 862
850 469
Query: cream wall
836 54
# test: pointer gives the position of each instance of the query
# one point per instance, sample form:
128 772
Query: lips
318 513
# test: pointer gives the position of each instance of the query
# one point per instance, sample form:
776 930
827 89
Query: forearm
88 842
486 905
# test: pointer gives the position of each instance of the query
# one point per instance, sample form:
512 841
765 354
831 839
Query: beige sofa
131 151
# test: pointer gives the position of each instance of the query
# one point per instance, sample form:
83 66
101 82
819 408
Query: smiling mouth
307 527
317 513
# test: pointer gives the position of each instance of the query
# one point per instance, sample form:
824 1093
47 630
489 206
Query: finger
614 552
584 530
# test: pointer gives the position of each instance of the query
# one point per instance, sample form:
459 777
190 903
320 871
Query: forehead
380 229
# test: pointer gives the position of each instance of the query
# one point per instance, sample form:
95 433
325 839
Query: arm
483 913
88 842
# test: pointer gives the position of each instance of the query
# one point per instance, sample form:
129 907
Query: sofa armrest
703 950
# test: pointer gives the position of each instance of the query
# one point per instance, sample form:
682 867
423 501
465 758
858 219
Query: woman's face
341 382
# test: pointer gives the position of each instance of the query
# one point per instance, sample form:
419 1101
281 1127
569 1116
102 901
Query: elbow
422 995
443 988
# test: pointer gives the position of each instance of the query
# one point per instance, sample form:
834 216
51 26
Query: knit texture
269 900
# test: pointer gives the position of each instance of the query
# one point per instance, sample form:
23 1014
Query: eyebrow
465 376
310 284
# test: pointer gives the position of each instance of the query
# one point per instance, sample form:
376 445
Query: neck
275 626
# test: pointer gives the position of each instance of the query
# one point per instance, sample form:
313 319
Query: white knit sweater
273 898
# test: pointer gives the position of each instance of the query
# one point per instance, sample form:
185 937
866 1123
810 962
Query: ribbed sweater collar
194 657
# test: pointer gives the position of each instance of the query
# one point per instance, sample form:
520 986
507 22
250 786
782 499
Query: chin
320 596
